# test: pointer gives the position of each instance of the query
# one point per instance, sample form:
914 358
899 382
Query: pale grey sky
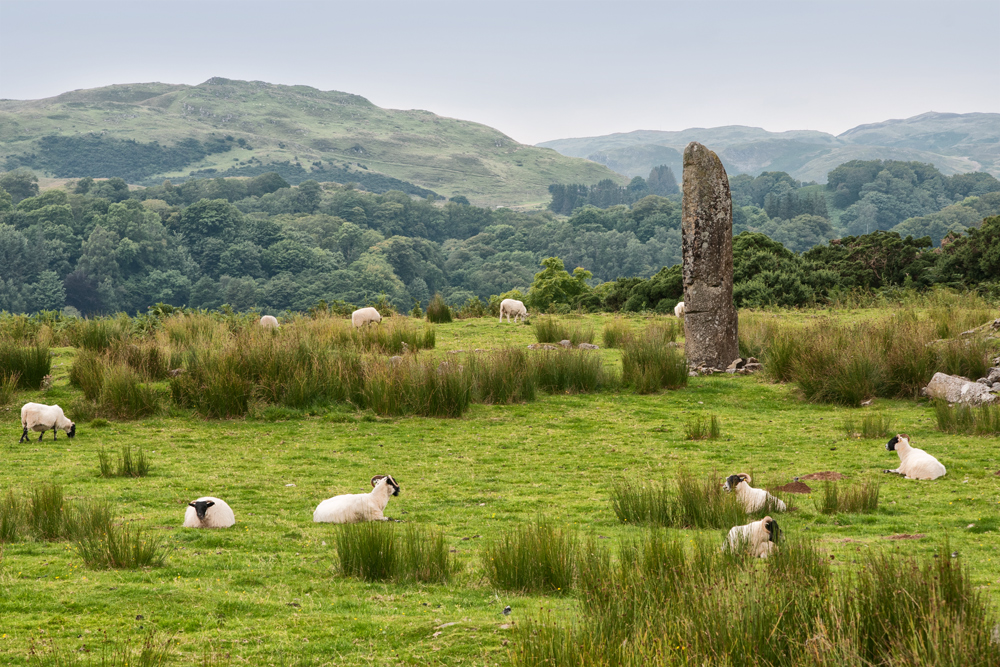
538 70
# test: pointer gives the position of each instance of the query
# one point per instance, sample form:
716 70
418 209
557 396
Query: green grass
966 419
701 428
837 497
128 463
438 311
379 551
269 590
548 329
870 425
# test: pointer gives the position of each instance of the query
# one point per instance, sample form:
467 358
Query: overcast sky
538 70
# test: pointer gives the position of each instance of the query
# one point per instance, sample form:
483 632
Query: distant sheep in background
209 512
679 310
914 463
513 307
269 322
753 500
757 537
363 316
39 417
357 507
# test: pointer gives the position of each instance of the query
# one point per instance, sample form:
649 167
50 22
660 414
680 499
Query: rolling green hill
151 131
954 143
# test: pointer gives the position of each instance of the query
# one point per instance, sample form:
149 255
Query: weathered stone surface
710 321
958 390
566 344
587 346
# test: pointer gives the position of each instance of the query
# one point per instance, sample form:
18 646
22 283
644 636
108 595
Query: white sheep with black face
358 507
914 463
753 500
209 512
40 417
363 316
757 538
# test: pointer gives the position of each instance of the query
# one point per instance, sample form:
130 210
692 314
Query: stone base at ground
956 389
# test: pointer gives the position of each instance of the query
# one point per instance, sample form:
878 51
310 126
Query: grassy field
304 125
268 590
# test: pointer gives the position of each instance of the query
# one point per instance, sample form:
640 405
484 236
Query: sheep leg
55 436
42 435
24 436
896 472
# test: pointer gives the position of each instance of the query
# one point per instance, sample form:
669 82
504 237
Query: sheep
363 316
209 512
38 417
914 463
753 500
679 309
513 307
356 507
269 322
757 537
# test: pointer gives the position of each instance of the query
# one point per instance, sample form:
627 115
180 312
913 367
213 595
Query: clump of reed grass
837 498
650 363
11 517
108 652
438 311
569 371
967 419
378 551
614 333
687 502
871 425
665 602
503 376
8 386
124 396
44 514
551 330
701 428
532 558
124 547
30 364
128 464
100 333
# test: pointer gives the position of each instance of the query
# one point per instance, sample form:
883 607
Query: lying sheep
38 417
363 316
914 463
753 500
357 507
679 310
209 512
269 322
757 538
513 307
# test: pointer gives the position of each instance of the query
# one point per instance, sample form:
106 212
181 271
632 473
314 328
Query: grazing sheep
268 322
914 463
753 500
39 417
679 310
513 307
356 507
756 537
363 316
209 512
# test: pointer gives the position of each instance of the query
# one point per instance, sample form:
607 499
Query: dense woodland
101 247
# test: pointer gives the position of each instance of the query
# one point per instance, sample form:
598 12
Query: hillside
954 143
151 131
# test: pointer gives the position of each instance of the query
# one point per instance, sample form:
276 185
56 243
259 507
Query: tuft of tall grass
871 425
46 515
100 333
700 428
861 498
966 419
502 376
532 558
688 502
29 363
129 463
614 333
11 517
8 386
124 395
569 371
378 551
124 547
110 652
550 330
438 311
650 363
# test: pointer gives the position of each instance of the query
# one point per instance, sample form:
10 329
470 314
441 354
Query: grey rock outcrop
956 389
710 320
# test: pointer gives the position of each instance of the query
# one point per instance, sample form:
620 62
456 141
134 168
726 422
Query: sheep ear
376 479
190 504
745 477
210 503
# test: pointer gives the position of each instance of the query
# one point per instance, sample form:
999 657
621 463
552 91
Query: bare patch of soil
826 476
793 487
905 536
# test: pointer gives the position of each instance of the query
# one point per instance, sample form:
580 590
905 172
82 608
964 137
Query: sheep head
388 480
201 507
897 439
734 480
771 526
72 430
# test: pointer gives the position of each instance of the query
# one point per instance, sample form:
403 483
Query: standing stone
710 325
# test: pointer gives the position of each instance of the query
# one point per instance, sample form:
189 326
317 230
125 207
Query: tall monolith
710 324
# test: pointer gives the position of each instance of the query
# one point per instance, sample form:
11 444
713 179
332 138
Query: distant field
267 591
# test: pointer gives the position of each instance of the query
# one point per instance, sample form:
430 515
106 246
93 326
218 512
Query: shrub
871 425
967 420
649 364
700 428
855 499
438 311
122 547
8 386
614 333
532 558
551 330
375 551
30 364
472 307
